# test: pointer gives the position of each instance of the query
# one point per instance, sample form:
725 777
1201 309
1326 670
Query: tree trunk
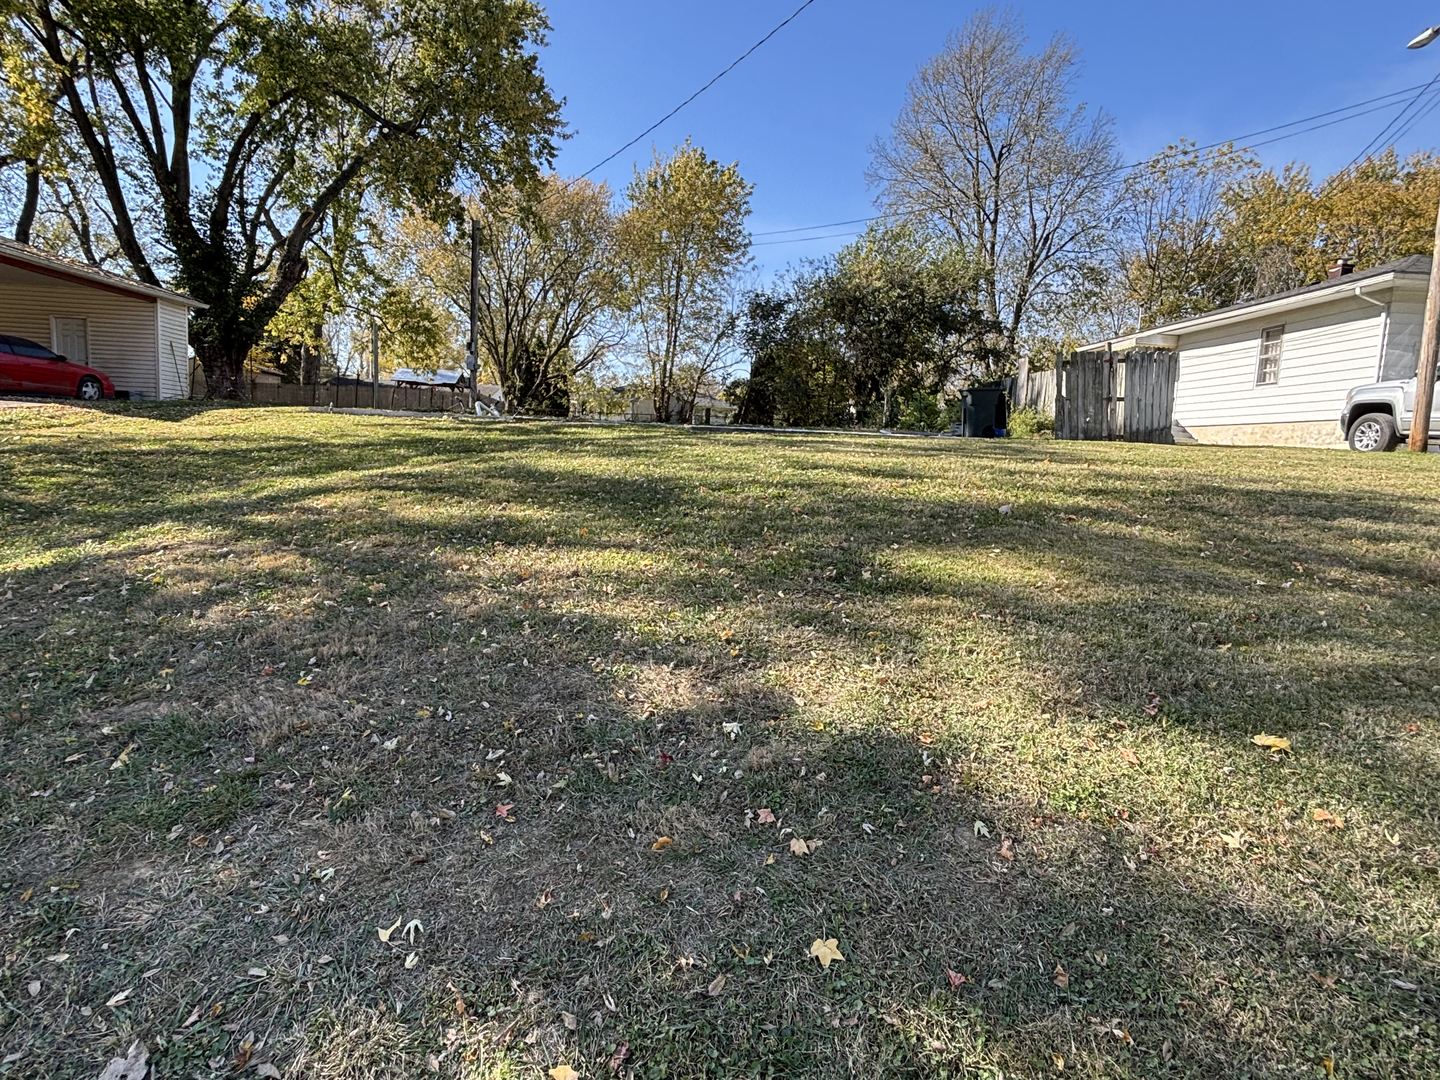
31 203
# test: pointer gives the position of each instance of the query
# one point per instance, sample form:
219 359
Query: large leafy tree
1171 242
221 133
887 320
681 241
548 286
991 147
1290 229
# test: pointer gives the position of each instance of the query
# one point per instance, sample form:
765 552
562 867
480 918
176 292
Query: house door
72 339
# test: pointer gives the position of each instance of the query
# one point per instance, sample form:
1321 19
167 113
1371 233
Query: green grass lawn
616 722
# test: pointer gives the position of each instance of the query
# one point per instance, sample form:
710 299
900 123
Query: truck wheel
1373 432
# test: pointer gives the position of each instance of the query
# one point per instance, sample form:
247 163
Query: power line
1386 101
1379 138
1420 114
733 65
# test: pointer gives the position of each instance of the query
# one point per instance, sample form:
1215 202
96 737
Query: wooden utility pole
1429 339
374 363
472 357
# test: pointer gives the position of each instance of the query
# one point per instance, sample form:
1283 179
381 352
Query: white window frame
1279 330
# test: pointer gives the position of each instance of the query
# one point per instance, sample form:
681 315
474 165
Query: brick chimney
1341 268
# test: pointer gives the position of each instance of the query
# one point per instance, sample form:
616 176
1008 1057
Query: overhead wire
1379 139
731 67
1385 102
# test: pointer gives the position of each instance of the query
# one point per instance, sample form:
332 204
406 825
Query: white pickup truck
1378 415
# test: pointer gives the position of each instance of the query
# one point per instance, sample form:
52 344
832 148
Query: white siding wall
174 324
1402 335
121 329
1327 349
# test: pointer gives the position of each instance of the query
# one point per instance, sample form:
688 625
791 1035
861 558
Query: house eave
1168 336
36 262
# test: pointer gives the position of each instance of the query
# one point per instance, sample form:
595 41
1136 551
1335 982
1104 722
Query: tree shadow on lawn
850 690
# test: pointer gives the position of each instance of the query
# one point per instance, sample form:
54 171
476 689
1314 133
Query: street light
1425 370
1420 40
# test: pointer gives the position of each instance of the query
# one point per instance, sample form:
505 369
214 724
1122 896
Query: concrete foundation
1307 433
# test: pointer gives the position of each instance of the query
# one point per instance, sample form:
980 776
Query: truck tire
1372 433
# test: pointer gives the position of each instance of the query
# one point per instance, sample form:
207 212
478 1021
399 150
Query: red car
28 368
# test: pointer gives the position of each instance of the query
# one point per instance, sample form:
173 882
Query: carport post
374 363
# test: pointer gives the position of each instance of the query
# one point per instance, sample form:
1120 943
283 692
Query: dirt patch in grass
371 747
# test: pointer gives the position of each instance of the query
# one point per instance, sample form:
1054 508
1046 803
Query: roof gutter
1360 295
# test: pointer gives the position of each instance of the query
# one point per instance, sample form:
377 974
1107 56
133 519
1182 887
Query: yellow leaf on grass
825 950
1270 742
661 843
1335 821
1236 840
564 1072
385 932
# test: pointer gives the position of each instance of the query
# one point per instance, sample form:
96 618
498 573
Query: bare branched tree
992 149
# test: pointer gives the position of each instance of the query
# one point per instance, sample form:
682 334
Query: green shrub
1030 424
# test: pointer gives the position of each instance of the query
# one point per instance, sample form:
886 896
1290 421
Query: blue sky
800 114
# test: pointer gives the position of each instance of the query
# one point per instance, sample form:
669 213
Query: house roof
1413 268
25 257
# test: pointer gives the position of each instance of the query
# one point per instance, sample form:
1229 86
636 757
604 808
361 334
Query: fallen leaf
799 846
955 979
564 1072
119 999
1062 977
1007 849
1152 704
390 744
268 1070
122 758
661 843
765 816
1059 1060
505 810
1236 840
1271 742
770 859
717 984
570 1021
826 950
1129 756
1328 1064
133 1066
411 960
33 988
58 958
384 932
1335 821
617 1059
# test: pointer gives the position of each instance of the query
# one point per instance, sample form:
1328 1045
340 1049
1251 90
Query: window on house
1267 371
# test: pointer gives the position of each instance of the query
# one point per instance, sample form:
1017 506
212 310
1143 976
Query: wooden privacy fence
1129 396
1036 390
361 396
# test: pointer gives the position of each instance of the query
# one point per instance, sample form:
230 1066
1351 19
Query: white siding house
1276 370
137 334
